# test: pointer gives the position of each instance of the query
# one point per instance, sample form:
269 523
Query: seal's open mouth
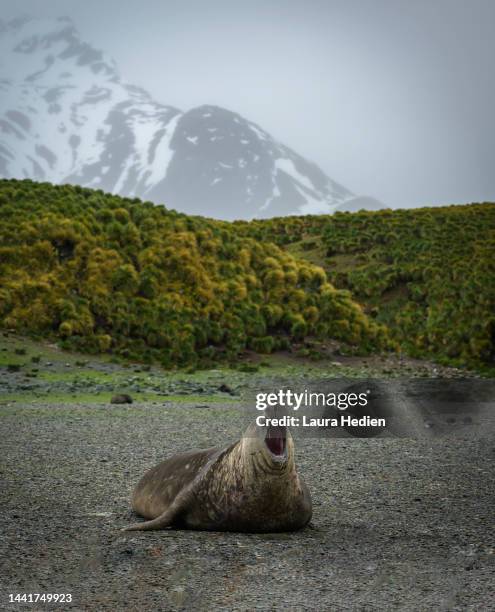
275 440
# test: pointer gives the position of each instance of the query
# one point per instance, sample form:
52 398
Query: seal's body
251 486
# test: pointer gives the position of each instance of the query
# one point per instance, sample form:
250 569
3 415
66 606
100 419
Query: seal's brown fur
244 487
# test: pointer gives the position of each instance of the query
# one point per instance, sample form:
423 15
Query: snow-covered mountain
66 115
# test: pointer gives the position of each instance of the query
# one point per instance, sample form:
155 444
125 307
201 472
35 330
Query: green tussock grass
105 274
427 274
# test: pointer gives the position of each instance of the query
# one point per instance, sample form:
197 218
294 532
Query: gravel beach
398 524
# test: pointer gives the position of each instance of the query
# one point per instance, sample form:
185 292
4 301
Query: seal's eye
275 440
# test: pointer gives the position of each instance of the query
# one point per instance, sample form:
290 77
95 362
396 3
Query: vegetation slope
427 274
105 273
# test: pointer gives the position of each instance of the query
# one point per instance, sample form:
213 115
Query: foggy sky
392 98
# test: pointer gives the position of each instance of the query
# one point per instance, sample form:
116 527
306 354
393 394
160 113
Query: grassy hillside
105 273
427 274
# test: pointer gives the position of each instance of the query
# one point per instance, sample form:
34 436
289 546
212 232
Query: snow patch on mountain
287 166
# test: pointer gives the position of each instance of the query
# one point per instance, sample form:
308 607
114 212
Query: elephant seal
250 486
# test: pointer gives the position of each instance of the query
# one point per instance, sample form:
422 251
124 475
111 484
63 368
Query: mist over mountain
67 116
361 203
